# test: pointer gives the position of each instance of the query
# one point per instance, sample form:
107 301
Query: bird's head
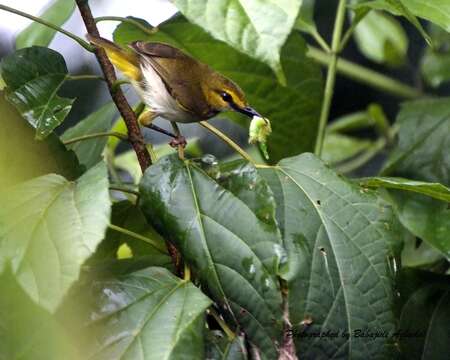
224 95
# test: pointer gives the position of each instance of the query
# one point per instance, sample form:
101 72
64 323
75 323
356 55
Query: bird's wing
125 61
180 73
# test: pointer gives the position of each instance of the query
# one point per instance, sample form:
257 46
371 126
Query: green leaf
338 148
89 152
234 254
219 347
50 226
23 158
382 39
33 77
37 34
256 28
435 64
434 190
426 218
27 331
425 317
245 182
293 109
149 314
305 19
423 142
436 67
338 238
408 9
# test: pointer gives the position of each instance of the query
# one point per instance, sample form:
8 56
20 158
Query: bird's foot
179 141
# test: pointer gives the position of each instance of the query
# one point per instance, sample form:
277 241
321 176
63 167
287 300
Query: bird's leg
146 118
179 141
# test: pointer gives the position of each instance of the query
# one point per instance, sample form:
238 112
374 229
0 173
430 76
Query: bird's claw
178 141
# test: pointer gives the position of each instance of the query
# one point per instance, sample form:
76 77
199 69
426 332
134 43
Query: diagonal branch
134 133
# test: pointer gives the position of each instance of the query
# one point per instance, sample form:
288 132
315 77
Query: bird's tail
126 61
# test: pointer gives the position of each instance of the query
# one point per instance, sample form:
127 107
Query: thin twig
132 234
134 133
331 76
227 140
123 189
320 40
230 333
85 77
96 135
366 76
348 34
79 40
140 26
362 159
118 83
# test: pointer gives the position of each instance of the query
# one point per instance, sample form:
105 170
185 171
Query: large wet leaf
293 109
89 152
23 158
49 227
234 254
33 77
149 314
338 238
36 34
244 181
382 39
422 152
256 28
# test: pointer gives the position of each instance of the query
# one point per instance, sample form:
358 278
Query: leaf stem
79 40
320 40
348 34
96 135
85 77
364 158
230 333
187 272
227 140
118 83
366 76
132 234
331 76
353 121
123 189
127 20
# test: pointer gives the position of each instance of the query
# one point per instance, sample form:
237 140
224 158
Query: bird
174 85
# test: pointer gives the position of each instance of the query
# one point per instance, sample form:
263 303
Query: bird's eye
226 97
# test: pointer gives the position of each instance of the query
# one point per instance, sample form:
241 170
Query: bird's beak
250 112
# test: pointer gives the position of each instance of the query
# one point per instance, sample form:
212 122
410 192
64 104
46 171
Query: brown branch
134 132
